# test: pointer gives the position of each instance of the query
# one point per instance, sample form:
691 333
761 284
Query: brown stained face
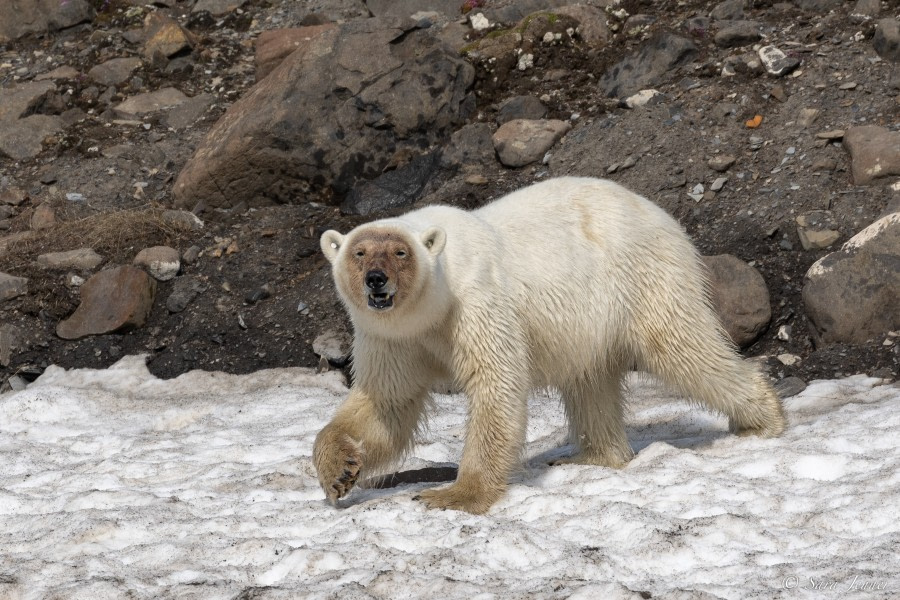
385 252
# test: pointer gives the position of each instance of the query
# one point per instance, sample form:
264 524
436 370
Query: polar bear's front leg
494 439
377 422
491 360
368 433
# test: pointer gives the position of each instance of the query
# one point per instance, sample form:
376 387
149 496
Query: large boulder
274 45
653 64
852 295
331 116
21 17
740 297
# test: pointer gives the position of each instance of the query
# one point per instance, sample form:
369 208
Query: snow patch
116 484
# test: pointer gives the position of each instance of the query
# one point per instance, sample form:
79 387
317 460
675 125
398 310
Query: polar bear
566 284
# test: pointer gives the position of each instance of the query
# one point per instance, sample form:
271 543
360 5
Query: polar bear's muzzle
380 296
381 301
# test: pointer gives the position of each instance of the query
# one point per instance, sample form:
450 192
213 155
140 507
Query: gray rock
17 383
653 64
184 291
188 112
816 230
82 258
470 145
114 71
117 299
887 39
820 7
17 100
12 286
647 97
217 8
730 10
191 255
334 116
63 72
151 102
406 8
21 139
393 190
740 297
521 107
333 347
721 162
592 28
851 294
807 117
182 219
162 262
737 33
521 142
43 217
874 152
789 386
36 16
13 196
777 62
866 9
718 184
10 341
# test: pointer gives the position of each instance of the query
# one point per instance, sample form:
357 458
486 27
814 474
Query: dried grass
116 236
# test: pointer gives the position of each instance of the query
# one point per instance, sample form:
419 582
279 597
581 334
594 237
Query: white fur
567 283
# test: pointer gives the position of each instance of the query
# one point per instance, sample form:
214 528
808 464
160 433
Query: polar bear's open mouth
381 301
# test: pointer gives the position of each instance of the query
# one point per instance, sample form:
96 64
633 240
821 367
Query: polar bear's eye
360 253
401 253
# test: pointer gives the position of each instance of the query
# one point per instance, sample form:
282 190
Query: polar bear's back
579 260
584 257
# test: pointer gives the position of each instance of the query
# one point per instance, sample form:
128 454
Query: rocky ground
771 134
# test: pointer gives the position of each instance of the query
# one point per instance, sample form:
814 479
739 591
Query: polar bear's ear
434 239
330 242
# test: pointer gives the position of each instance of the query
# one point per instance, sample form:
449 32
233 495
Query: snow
115 484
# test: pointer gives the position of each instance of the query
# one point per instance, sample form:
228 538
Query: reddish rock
274 45
44 217
164 35
112 300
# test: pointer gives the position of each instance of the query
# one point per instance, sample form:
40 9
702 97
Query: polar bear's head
385 266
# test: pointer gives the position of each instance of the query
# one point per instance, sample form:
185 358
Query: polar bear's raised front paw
459 496
338 459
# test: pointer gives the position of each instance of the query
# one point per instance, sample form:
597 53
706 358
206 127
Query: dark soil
269 296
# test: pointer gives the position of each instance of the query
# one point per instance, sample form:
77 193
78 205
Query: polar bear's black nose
376 279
